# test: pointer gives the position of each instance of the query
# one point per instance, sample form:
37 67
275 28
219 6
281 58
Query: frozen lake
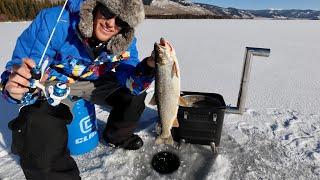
278 136
211 54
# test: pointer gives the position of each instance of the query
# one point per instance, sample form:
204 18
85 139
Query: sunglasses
109 15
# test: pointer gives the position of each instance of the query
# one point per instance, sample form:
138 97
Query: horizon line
304 9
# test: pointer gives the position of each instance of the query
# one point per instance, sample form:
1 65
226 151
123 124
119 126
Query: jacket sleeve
133 74
31 44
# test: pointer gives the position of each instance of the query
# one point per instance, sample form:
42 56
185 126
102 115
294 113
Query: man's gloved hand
151 62
18 82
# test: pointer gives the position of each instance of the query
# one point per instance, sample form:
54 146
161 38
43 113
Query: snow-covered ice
277 138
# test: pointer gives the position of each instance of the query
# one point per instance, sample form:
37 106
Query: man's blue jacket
68 56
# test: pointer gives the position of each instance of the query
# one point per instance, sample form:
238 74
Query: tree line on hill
184 16
23 10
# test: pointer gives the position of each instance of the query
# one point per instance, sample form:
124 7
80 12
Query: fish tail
166 132
159 141
168 140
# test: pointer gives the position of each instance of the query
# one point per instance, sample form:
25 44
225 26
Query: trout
167 89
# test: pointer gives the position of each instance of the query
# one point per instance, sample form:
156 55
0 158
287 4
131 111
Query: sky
265 4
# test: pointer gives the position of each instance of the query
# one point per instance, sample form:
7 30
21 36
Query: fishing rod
54 94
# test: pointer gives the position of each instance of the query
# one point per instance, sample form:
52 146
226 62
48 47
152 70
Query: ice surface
277 137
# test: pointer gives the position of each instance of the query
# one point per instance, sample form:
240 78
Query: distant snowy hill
172 7
175 7
186 8
287 14
230 12
272 14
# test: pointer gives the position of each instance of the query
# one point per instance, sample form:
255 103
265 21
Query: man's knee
137 102
38 136
124 99
46 124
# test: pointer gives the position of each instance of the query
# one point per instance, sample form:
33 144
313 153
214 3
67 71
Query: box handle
214 117
185 115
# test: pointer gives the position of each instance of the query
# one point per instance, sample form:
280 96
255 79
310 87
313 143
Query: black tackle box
201 120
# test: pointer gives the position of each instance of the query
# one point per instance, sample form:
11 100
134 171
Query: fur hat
130 11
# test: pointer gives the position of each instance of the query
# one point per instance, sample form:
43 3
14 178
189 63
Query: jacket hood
74 5
130 11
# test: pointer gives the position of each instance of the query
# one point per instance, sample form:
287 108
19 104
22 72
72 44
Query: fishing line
38 72
51 35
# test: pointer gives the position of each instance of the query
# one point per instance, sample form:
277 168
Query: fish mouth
159 54
162 51
163 44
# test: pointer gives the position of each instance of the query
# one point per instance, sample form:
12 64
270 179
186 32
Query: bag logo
85 125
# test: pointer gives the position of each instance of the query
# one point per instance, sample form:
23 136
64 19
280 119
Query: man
94 49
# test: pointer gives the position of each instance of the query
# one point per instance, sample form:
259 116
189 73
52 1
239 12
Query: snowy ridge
188 7
271 14
174 7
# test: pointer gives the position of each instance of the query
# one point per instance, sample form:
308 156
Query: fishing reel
57 93
54 93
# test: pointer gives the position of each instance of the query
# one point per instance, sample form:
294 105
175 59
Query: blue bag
82 132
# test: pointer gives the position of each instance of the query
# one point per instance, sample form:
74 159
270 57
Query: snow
277 138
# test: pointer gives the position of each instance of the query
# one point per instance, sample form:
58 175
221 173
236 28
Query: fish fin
183 102
153 101
175 69
159 141
175 123
169 141
158 129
